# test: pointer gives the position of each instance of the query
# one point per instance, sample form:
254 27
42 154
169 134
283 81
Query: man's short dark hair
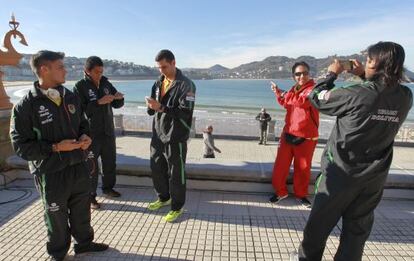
42 58
165 54
92 62
389 62
301 63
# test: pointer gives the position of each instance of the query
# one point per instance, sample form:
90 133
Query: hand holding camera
351 66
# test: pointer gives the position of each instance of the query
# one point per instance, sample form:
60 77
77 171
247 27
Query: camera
348 65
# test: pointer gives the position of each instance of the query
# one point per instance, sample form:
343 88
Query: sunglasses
297 74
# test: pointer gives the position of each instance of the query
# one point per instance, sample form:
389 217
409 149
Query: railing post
271 130
193 129
119 124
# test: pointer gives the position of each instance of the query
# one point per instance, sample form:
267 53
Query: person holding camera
299 136
263 117
358 154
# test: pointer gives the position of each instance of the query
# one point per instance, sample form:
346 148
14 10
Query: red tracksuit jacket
302 119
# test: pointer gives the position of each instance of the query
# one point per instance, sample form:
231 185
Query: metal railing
239 126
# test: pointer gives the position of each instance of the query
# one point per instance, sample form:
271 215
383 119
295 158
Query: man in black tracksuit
358 154
172 103
263 117
48 130
98 96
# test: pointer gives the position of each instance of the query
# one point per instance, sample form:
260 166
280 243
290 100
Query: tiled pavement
215 226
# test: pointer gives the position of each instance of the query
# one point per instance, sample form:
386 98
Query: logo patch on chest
44 115
71 108
92 95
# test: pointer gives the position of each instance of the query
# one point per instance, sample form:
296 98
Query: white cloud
319 42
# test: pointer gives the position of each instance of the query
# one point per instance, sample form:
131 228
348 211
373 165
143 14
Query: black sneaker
277 199
260 143
112 193
305 202
95 204
93 247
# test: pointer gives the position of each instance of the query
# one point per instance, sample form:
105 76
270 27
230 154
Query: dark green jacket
368 117
174 124
100 117
37 123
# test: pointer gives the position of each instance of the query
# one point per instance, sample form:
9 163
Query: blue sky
204 33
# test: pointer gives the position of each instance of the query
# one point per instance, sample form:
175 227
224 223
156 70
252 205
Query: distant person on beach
263 117
209 147
172 104
358 154
299 136
98 96
49 130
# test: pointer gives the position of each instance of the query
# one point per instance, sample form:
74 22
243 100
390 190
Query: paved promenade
216 225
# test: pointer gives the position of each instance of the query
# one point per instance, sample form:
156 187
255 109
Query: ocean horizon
222 98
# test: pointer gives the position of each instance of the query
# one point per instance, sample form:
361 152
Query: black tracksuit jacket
100 116
369 115
37 123
174 124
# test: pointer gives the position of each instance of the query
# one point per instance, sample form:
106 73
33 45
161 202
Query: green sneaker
173 215
158 204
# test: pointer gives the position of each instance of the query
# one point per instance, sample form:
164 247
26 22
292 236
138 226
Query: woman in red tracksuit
299 137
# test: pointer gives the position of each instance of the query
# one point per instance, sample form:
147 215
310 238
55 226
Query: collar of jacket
37 93
178 76
303 87
89 79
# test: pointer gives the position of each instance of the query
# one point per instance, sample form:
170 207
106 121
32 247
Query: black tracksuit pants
65 197
168 171
341 196
103 146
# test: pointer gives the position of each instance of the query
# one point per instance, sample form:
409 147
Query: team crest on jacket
106 91
190 96
71 108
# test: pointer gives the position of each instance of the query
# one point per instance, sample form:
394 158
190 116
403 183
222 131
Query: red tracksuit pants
302 160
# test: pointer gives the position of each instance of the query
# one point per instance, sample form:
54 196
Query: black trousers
263 135
168 171
65 197
103 146
340 196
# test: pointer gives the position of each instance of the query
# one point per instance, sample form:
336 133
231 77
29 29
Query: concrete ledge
228 171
